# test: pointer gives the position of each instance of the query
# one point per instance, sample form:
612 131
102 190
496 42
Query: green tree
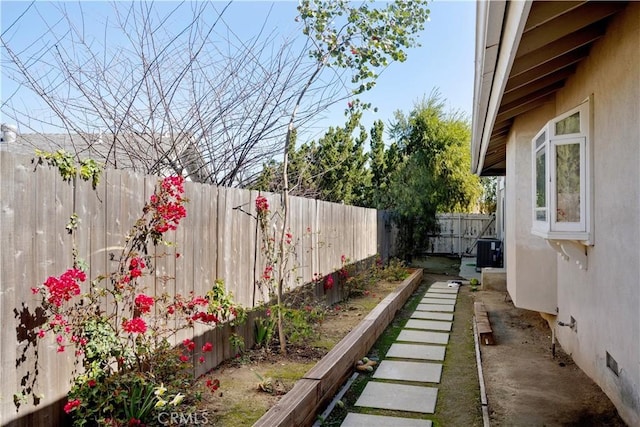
488 201
361 39
434 173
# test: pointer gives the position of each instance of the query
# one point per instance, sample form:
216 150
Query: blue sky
443 62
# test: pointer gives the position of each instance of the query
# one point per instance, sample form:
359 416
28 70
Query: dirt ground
526 385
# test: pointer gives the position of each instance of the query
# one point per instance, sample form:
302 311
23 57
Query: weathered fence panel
459 233
219 239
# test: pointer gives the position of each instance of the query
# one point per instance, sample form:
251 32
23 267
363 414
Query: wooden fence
219 239
459 233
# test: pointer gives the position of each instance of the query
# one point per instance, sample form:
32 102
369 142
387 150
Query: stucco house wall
604 299
531 267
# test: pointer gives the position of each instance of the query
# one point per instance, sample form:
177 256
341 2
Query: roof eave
499 28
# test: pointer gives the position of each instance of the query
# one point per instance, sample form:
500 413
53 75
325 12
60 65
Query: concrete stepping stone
367 420
437 301
398 397
436 307
432 315
443 290
428 325
443 285
426 337
439 295
417 351
424 372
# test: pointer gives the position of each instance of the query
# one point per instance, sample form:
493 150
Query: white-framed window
561 156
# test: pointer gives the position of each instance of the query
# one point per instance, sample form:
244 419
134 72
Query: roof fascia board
489 19
514 20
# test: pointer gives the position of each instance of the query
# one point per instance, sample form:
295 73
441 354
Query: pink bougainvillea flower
201 360
207 347
134 326
41 333
144 303
61 349
205 317
213 385
71 405
189 344
262 205
65 287
184 358
328 283
268 271
343 259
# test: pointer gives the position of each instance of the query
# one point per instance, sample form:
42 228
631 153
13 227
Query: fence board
13 190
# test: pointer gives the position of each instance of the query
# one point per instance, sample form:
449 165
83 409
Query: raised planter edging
301 404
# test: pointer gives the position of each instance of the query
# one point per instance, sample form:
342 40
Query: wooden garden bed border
301 404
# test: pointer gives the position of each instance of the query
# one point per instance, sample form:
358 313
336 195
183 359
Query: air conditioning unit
488 253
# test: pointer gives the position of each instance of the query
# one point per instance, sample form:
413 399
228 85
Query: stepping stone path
408 377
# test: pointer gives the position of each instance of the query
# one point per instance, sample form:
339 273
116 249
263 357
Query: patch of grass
240 415
458 402
459 391
289 371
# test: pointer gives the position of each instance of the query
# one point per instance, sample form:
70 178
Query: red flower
328 283
65 287
41 333
201 359
134 326
144 303
268 270
213 385
91 383
189 344
61 349
262 205
184 358
207 347
71 405
288 238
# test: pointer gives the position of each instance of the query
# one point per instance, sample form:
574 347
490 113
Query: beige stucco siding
531 263
605 298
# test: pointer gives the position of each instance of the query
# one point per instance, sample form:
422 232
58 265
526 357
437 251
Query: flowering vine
125 346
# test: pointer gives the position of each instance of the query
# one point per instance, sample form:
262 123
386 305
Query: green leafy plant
265 327
396 270
88 169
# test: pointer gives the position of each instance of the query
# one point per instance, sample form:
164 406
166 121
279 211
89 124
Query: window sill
580 237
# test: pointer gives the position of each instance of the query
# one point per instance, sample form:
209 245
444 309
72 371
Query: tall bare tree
158 93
